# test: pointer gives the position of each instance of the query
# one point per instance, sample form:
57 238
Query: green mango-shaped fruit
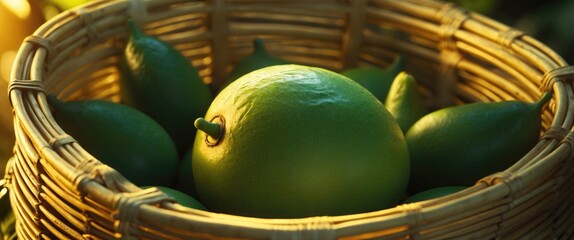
404 101
259 58
458 145
159 81
122 137
376 79
433 193
180 197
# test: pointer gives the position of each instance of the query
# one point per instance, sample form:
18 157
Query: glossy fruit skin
433 193
404 101
159 81
376 79
122 137
258 59
300 141
180 197
458 145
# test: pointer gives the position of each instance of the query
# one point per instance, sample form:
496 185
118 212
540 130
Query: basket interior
464 62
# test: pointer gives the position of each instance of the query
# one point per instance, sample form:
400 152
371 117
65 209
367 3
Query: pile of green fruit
283 140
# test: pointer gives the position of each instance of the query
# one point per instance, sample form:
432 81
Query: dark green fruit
433 193
180 197
159 81
185 181
121 137
458 145
259 58
376 79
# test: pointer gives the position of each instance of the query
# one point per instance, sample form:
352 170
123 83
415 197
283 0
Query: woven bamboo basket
59 191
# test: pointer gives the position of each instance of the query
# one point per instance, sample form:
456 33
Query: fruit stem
543 100
259 46
210 128
136 33
398 64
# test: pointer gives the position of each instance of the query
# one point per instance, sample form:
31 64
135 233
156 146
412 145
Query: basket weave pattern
60 191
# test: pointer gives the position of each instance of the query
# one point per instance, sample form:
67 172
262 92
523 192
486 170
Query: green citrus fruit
122 137
458 145
433 193
404 101
295 141
259 58
180 197
376 79
159 81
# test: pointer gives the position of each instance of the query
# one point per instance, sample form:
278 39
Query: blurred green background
549 21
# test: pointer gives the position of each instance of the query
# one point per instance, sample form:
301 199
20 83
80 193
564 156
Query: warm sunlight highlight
20 8
6 60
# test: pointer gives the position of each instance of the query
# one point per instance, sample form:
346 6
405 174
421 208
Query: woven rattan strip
556 132
127 209
353 37
39 41
507 37
565 73
61 140
33 85
60 191
88 23
452 20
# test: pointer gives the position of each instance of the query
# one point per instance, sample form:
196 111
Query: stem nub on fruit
541 102
134 30
213 129
259 46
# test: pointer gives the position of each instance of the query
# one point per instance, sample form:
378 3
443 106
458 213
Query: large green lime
298 141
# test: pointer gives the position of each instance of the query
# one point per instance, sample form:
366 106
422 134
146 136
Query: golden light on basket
10 10
18 19
19 8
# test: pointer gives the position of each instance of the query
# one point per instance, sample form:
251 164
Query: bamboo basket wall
59 191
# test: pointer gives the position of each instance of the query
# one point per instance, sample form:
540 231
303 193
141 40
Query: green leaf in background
550 21
552 24
7 218
8 227
482 6
67 4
